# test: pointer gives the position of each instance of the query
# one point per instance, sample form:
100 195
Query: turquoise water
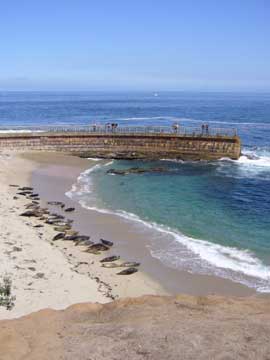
215 212
209 217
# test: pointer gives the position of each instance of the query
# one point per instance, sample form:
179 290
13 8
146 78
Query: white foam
94 159
13 131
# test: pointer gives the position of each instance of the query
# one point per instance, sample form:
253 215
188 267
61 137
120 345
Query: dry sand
46 274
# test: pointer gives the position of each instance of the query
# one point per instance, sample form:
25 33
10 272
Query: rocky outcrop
158 328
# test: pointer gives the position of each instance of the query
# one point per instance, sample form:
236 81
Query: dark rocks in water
128 271
99 247
136 170
70 209
13 185
30 213
56 203
58 236
110 259
106 242
35 202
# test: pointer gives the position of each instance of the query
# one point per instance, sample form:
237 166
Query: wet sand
54 176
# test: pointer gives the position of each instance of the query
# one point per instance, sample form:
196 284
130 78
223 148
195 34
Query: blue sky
135 45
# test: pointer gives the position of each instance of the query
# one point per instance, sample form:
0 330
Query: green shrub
6 298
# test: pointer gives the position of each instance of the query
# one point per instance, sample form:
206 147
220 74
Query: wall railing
108 129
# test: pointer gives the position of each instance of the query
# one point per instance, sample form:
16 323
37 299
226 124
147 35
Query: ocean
209 217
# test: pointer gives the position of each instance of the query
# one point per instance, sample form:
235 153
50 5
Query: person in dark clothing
203 127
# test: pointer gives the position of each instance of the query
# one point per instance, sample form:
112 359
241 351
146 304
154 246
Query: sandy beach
44 273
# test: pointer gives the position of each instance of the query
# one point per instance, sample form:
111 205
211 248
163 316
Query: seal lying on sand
110 258
128 271
110 265
130 264
106 242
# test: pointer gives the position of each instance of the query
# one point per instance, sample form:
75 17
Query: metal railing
105 129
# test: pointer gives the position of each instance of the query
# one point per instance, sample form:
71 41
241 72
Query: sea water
211 217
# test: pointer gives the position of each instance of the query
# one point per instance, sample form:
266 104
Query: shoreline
131 241
68 274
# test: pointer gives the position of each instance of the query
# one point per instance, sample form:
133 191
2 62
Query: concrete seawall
127 146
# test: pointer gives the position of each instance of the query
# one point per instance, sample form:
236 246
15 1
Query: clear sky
135 45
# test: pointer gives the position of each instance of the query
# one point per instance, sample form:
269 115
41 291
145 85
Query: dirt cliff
149 327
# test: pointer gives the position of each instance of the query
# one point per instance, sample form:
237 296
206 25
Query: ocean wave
12 131
187 253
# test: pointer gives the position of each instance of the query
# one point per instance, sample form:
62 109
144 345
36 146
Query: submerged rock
136 170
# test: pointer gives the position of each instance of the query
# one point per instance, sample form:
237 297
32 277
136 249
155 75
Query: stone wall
127 146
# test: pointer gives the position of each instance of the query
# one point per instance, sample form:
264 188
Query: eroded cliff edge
150 327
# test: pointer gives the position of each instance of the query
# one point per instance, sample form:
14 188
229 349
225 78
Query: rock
58 236
70 209
128 271
30 213
106 242
38 226
15 198
32 268
136 170
13 185
110 259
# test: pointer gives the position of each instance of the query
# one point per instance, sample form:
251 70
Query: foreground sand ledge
42 275
150 327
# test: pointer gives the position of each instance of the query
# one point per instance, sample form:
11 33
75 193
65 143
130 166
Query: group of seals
64 230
